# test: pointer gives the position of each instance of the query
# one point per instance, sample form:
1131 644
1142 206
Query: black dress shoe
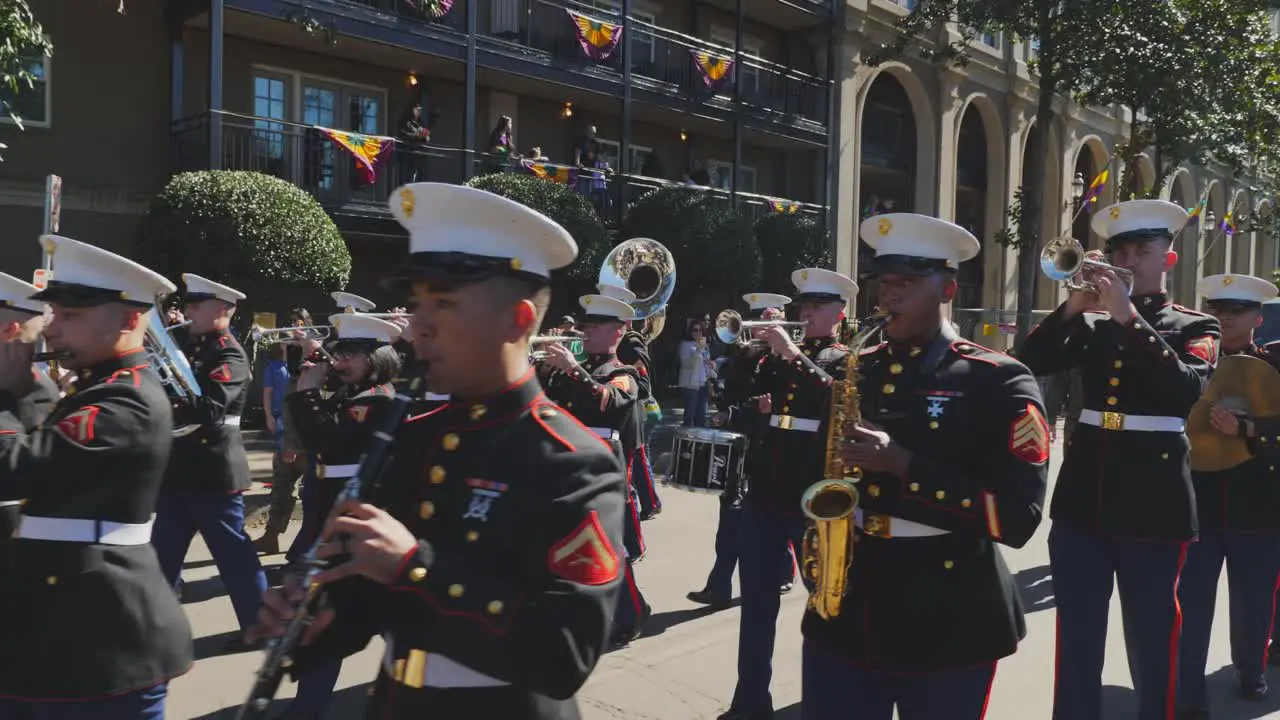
625 636
1254 689
1273 655
704 597
238 645
1193 714
785 588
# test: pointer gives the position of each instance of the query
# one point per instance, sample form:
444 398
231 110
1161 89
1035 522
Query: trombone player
1123 508
1239 512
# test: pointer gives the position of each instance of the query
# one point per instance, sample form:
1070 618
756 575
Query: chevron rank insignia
1204 347
1029 436
584 556
78 426
221 374
358 412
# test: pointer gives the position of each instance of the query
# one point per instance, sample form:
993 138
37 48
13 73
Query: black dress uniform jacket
28 412
337 429
89 620
603 393
786 462
212 459
519 508
1126 483
1245 498
974 422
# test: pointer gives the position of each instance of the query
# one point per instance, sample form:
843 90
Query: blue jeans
315 690
835 690
695 405
311 525
220 521
145 704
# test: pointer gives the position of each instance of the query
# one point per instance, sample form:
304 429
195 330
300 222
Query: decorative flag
598 38
434 9
1229 224
368 150
1097 186
716 70
784 206
1198 210
562 174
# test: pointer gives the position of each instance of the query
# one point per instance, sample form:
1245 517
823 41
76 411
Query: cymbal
1240 382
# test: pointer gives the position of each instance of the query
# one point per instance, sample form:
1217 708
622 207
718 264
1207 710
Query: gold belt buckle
785 421
1112 421
877 525
319 471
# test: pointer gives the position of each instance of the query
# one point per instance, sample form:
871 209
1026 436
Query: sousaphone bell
646 268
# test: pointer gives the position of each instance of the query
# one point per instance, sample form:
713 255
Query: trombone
571 343
1064 260
731 329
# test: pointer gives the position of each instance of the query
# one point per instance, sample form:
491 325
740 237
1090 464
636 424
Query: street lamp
1077 187
1210 219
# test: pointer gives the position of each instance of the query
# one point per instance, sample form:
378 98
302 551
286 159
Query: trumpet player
1123 507
495 568
208 470
793 387
94 630
603 393
633 349
1239 514
954 450
21 321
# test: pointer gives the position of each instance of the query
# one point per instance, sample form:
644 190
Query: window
993 39
32 105
610 151
641 32
751 48
1034 46
720 173
270 102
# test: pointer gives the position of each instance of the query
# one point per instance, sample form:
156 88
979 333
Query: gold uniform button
546 413
889 389
495 607
791 396
51 580
472 536
478 411
874 490
786 409
455 591
418 574
426 510
915 352
1166 353
569 404
1164 456
914 487
1117 364
895 369
451 441
437 475
1114 381
966 503
941 495
1112 401
933 424
948 564
1151 339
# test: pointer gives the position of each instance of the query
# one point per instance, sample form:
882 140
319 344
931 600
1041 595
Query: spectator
695 374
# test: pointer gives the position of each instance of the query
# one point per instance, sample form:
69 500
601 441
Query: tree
574 213
21 39
789 242
255 232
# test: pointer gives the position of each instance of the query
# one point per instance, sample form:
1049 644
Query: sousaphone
1242 384
647 269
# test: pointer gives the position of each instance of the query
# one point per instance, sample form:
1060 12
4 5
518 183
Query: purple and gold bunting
561 174
716 70
434 9
598 38
369 151
785 207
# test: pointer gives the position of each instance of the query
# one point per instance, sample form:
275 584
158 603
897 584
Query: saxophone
830 503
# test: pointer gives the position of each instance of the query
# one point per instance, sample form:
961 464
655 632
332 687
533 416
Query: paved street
684 668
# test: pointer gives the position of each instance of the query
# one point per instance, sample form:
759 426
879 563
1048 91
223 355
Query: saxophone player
954 452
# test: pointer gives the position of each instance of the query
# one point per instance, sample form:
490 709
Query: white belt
9 503
423 669
1138 423
104 532
606 433
231 421
887 526
435 396
336 471
786 422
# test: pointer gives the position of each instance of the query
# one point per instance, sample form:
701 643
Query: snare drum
705 460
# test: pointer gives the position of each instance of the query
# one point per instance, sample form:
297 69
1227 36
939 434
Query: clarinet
366 479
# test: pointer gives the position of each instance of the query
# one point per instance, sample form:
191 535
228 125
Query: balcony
304 157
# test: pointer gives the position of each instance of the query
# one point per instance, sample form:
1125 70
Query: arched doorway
1084 173
1183 281
1266 261
971 202
888 137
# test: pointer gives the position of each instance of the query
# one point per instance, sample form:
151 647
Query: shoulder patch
221 374
78 426
584 556
358 412
1029 436
1204 347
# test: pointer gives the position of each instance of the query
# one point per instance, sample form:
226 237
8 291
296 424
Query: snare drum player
1123 508
95 632
745 419
21 321
603 393
954 451
494 573
1239 513
208 470
794 386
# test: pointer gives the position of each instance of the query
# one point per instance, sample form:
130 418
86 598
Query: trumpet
571 343
1064 260
291 335
731 329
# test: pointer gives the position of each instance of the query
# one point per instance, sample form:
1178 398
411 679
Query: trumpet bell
729 327
646 268
1062 258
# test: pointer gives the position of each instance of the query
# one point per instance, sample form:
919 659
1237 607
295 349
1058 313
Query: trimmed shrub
788 243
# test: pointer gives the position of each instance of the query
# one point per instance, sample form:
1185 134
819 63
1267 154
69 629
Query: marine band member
208 469
96 632
954 451
21 321
794 386
1123 506
1239 513
492 575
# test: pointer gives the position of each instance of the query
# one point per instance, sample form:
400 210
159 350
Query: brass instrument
571 343
296 334
731 329
1064 260
647 269
1241 384
171 366
832 502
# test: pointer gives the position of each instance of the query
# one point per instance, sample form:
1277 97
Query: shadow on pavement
790 712
214 645
344 704
1119 702
1227 705
194 591
197 564
1036 587
660 622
